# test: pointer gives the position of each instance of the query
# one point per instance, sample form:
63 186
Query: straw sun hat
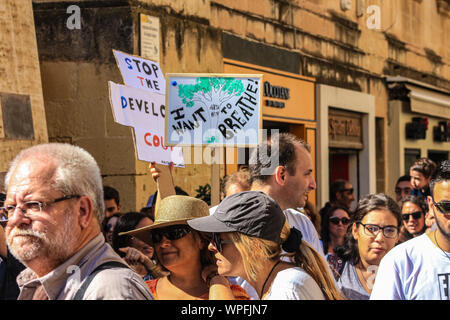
172 210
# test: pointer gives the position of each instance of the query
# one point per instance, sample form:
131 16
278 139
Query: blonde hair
256 251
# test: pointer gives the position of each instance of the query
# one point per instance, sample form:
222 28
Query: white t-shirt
294 284
414 270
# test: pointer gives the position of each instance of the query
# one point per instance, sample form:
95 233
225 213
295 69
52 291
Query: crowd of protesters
264 241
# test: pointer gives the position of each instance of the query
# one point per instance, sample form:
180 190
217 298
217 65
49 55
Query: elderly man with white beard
55 207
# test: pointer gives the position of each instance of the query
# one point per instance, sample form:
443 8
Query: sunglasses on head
416 215
443 206
336 220
170 233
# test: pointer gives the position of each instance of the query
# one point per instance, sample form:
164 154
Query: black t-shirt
9 270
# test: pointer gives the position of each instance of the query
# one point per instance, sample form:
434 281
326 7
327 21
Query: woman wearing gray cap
249 231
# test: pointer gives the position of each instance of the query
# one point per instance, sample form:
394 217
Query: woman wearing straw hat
184 253
249 230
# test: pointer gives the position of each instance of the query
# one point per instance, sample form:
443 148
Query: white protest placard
145 112
140 73
213 109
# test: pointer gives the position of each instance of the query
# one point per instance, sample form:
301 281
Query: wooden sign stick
164 184
215 176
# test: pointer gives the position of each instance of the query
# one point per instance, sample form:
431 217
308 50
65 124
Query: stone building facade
22 113
346 49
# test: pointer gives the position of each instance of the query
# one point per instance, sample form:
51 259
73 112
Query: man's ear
430 206
338 196
355 231
86 211
280 175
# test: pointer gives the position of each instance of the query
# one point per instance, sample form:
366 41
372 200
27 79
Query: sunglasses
170 233
443 206
350 191
416 215
336 220
219 242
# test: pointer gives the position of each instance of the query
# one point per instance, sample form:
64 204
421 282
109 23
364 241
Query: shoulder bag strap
107 265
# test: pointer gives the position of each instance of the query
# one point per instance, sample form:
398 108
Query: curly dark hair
349 250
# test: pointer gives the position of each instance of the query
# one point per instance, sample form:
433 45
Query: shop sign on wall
344 130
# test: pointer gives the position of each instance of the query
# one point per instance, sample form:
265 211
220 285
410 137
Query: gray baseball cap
252 213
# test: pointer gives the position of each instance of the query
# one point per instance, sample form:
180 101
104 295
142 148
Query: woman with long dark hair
374 231
336 220
414 209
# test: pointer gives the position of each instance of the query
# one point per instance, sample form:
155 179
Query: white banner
140 73
145 112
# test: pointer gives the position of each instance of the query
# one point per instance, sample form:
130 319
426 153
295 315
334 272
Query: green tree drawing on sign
210 91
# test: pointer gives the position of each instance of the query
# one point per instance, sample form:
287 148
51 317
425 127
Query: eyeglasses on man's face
34 207
443 206
372 230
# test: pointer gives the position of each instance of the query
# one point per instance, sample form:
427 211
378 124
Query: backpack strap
107 265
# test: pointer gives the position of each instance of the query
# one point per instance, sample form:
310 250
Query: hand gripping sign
145 112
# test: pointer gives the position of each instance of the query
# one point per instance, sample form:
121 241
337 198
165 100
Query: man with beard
419 269
55 206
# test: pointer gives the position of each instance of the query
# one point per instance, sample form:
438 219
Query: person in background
236 182
3 212
413 209
248 229
183 253
55 207
419 269
334 227
112 201
402 188
421 172
149 209
341 194
108 226
135 252
374 232
10 268
310 211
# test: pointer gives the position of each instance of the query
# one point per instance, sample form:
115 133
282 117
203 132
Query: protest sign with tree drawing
213 109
